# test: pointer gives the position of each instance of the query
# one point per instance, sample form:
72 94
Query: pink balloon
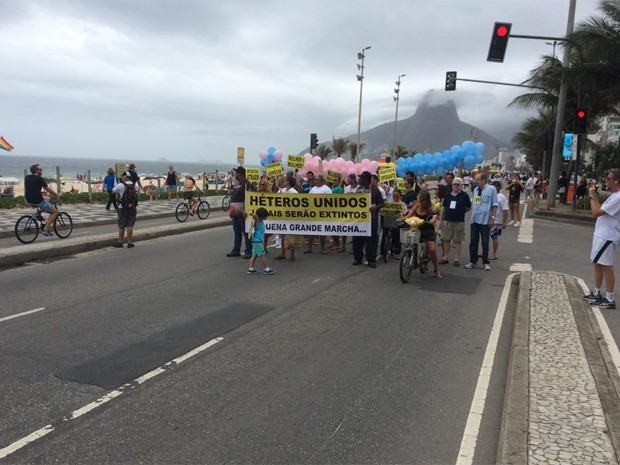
373 166
365 162
307 156
262 154
278 155
359 169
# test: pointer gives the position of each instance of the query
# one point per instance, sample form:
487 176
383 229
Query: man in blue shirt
484 210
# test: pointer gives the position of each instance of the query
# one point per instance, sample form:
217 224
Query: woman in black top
514 197
424 209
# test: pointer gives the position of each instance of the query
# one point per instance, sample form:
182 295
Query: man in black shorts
33 183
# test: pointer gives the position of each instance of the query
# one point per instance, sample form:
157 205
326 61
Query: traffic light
314 141
499 42
451 80
581 122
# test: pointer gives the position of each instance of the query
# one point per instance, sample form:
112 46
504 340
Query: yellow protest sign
295 161
334 176
392 209
315 214
240 155
387 174
274 169
400 184
252 174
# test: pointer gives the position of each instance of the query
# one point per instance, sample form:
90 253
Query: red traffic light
581 114
502 31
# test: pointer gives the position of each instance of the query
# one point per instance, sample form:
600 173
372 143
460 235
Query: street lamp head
360 56
395 99
359 78
359 66
396 91
367 48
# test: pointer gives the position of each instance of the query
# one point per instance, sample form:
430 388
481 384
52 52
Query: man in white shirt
500 219
605 241
319 188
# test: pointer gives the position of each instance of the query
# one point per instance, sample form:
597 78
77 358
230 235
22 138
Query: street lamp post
396 99
360 78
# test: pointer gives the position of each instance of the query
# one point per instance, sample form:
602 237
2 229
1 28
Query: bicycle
226 201
202 209
414 253
390 228
27 227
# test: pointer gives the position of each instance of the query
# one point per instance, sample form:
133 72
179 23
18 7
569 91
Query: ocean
15 166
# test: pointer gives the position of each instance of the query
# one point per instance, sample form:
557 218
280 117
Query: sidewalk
561 404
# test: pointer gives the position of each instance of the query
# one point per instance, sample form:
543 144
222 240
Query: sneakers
606 304
131 245
517 224
118 245
233 254
511 222
47 233
252 271
592 298
470 265
269 270
487 267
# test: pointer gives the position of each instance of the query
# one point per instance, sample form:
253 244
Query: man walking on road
605 240
482 218
237 215
126 213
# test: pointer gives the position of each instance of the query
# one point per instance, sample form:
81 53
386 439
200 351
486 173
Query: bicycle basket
408 235
414 222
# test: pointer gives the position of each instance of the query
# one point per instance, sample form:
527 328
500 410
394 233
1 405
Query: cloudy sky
194 79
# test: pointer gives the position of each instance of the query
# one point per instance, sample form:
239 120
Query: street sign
240 155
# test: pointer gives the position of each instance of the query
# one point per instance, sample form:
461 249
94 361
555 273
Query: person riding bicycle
33 183
424 209
189 184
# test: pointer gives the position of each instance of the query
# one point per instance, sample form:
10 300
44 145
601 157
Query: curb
18 255
513 445
599 359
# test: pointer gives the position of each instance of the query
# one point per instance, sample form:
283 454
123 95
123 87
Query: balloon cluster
269 156
470 153
340 165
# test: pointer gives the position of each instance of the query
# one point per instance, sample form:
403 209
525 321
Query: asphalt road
320 363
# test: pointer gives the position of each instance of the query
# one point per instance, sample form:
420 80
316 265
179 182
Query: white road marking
472 427
521 267
38 434
526 230
6 318
609 339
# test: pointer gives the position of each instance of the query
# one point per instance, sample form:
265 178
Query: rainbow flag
5 145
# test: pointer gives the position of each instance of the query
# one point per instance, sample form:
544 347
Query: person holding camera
605 240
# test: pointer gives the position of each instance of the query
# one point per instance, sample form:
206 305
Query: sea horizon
18 165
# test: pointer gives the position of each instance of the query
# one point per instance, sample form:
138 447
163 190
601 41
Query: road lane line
6 318
472 427
609 339
38 434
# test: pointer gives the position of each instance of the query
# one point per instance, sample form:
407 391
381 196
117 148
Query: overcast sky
194 79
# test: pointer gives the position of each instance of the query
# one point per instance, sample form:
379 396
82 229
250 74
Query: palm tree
340 146
534 137
399 151
353 150
323 151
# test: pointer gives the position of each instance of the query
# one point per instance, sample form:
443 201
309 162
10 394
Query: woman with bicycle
425 209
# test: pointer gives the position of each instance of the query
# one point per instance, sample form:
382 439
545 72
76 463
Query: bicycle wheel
424 258
226 203
63 225
26 229
203 210
407 263
182 212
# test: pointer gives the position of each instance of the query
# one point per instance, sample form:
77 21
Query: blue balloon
480 147
469 162
271 150
455 148
479 158
462 154
469 146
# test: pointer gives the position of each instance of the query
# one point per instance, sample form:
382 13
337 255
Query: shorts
428 235
46 206
258 249
495 231
453 231
172 187
125 218
603 251
188 195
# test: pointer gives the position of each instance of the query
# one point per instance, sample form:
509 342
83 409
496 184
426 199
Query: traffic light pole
498 83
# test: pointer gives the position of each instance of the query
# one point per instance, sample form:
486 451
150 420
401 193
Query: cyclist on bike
33 183
189 184
424 209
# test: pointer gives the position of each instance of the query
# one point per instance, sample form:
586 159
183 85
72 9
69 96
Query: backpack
129 199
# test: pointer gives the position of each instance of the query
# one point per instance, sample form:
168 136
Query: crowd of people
443 208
